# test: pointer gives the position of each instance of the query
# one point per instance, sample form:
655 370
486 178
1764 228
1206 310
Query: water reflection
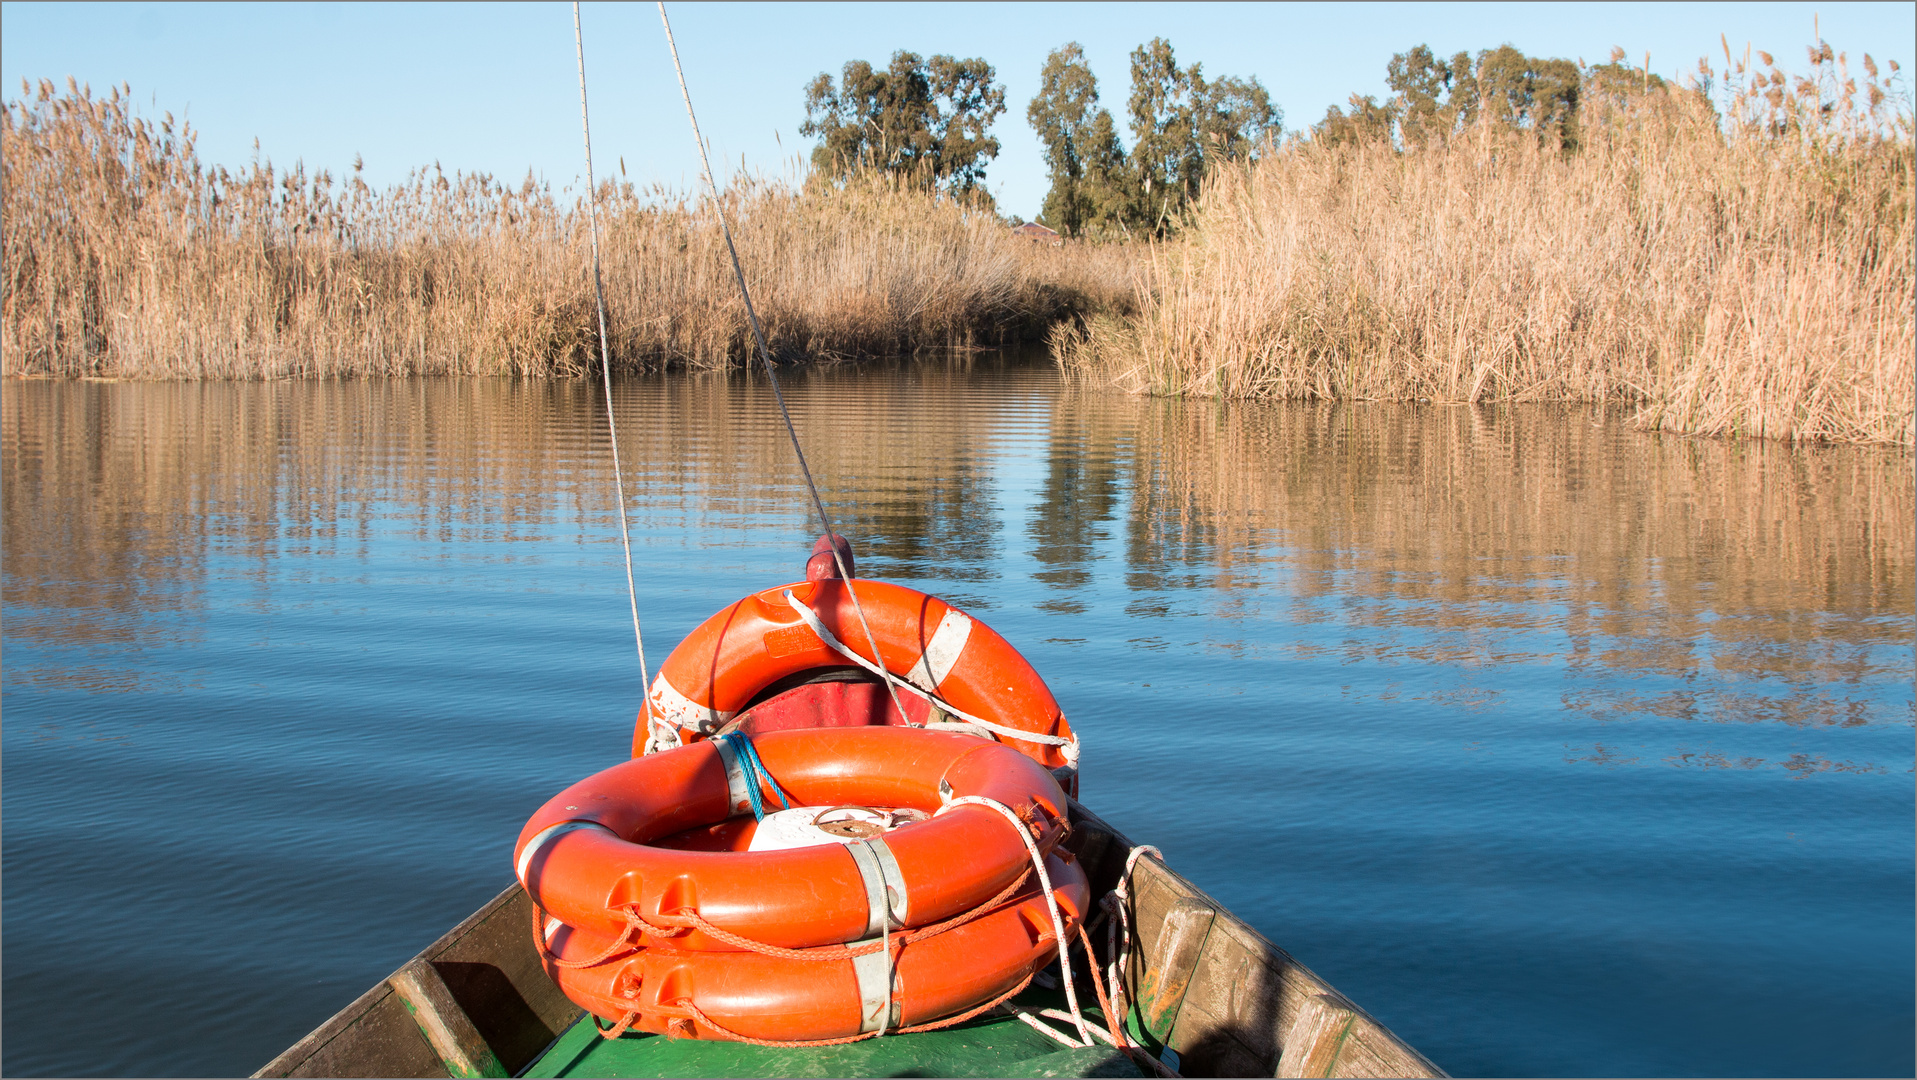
1080 496
1771 582
1767 582
118 495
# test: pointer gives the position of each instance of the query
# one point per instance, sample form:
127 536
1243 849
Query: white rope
605 355
1048 1030
1061 1014
1119 949
1051 901
1136 1053
1069 744
765 355
1116 946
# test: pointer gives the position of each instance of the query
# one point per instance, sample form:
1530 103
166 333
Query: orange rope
618 948
624 1025
1115 1023
635 921
829 952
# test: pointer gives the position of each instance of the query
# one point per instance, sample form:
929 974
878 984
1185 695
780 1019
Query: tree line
929 119
1434 98
1182 125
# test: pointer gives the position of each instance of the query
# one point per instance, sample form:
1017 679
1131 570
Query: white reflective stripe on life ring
885 894
547 836
943 651
874 971
677 709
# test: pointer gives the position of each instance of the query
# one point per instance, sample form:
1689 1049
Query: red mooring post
821 566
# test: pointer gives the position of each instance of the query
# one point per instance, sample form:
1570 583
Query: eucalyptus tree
1183 125
1432 99
924 119
1531 94
1091 191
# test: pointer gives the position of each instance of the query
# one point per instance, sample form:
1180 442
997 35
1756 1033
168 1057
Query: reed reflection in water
1561 747
1771 582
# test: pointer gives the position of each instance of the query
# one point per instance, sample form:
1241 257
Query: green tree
1236 118
1531 94
1616 85
1430 97
1367 122
1090 189
1061 114
1183 125
926 119
1109 186
1165 151
1433 99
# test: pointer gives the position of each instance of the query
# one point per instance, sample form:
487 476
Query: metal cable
765 357
605 355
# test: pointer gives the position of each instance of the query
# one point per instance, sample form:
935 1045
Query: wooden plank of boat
1220 995
474 1003
1217 994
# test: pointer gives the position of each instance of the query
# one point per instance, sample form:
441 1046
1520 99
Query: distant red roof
1036 231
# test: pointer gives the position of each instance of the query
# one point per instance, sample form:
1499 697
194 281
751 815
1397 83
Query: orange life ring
731 657
587 857
769 997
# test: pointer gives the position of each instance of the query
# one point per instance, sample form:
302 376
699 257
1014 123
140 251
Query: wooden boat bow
1223 998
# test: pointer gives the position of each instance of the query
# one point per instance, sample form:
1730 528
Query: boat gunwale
288 1061
1120 848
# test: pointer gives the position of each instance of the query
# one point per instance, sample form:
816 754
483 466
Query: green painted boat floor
993 1045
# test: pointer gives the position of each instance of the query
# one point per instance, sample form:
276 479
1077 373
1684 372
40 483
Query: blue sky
491 87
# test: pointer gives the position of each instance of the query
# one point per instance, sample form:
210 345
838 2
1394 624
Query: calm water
1562 748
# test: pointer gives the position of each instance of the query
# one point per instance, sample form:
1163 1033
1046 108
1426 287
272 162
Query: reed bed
125 256
1748 273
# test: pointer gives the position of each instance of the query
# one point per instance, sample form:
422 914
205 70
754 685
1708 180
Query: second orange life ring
589 857
923 642
713 995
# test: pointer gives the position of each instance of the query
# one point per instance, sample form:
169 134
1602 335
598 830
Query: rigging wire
605 356
765 355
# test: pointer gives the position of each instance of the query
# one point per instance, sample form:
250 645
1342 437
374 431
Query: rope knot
1033 820
668 927
629 982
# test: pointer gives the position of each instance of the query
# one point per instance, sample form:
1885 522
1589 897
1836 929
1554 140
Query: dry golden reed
126 257
1746 274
